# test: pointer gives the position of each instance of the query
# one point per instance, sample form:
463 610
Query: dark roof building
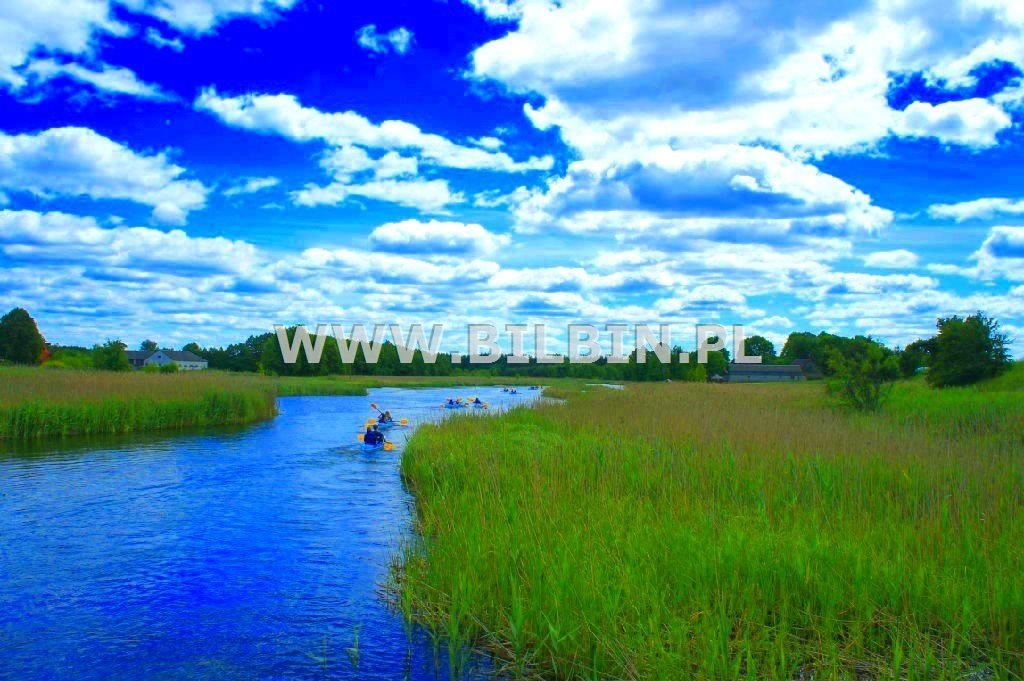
766 373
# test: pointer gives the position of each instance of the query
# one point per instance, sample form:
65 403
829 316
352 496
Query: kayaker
386 417
451 402
370 437
477 401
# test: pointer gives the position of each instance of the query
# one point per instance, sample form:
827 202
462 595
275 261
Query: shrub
863 376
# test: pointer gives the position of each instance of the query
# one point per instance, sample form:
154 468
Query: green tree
863 375
272 361
759 346
20 340
915 356
967 350
111 356
148 346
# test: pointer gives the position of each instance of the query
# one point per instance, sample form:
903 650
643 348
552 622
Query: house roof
766 369
175 355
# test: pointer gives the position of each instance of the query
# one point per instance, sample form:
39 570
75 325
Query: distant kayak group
463 403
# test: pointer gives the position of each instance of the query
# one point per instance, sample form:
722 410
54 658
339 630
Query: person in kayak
477 401
451 402
373 437
386 417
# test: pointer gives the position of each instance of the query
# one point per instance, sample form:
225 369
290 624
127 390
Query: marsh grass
726 531
43 403
37 403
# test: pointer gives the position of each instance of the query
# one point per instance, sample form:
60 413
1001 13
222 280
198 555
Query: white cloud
1001 254
81 162
970 122
283 115
729 191
202 16
398 40
399 269
897 259
56 25
74 27
431 196
45 237
497 10
157 39
977 209
437 238
487 142
106 78
251 185
811 79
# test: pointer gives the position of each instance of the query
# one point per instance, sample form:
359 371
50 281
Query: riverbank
733 531
38 403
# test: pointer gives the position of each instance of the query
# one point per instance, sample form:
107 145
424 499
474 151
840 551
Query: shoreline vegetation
39 403
727 532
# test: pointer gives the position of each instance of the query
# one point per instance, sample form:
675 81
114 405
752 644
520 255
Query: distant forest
965 350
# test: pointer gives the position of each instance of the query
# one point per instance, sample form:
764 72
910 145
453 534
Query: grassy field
727 531
38 403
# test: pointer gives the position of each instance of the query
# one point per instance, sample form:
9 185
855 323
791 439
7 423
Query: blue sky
203 169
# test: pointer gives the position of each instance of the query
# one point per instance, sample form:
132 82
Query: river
247 554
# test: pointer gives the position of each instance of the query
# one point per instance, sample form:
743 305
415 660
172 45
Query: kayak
457 405
372 448
480 406
386 424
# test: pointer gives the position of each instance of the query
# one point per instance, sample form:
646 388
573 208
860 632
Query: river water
247 554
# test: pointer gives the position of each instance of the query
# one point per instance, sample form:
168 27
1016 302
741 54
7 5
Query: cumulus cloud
202 16
437 238
283 115
251 185
431 196
105 78
730 191
31 236
399 269
157 39
398 40
81 162
970 122
72 27
1001 254
982 209
897 259
809 79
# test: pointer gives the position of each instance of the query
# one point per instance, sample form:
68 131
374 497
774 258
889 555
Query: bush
863 376
111 356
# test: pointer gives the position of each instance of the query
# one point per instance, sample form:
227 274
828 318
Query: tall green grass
53 402
42 403
724 532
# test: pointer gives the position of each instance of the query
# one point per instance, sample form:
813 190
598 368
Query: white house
186 360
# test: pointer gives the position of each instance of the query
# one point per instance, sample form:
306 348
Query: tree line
963 351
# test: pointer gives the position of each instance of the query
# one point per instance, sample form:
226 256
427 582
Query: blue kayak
384 425
372 448
458 405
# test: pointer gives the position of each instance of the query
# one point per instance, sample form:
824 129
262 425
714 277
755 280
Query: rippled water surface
251 554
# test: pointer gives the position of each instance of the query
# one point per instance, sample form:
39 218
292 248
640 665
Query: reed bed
43 403
724 532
